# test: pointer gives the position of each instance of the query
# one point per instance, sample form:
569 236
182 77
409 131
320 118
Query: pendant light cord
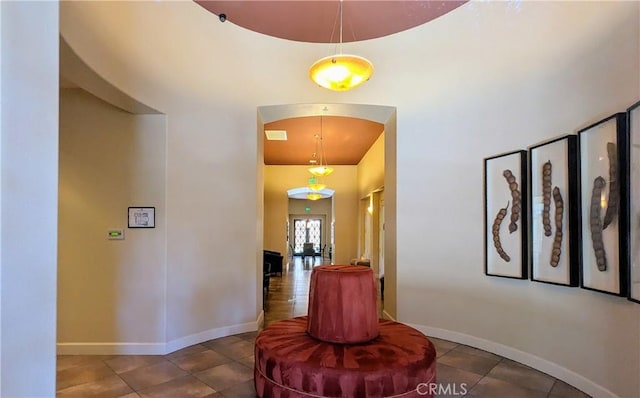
341 26
319 141
323 159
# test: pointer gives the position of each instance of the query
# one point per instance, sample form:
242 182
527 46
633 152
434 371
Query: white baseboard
548 367
111 348
210 334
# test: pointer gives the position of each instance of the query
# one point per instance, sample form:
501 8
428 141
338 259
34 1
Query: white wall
211 188
1 176
589 339
110 160
259 255
485 78
28 198
390 218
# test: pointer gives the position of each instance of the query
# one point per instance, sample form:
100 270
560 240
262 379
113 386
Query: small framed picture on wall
553 187
604 205
505 215
142 217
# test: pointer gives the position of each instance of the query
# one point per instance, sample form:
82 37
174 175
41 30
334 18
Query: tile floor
216 368
224 367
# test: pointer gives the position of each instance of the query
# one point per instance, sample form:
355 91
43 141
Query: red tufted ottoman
291 362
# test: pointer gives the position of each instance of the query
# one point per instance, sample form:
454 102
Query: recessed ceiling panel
319 21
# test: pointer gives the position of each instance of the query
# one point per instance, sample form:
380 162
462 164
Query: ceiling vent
276 135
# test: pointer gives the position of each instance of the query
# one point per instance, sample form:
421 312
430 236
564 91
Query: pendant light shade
341 72
321 169
314 196
302 192
314 185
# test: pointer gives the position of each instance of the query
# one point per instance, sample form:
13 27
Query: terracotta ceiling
319 21
345 140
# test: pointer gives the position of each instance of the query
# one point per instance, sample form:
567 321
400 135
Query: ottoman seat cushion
289 363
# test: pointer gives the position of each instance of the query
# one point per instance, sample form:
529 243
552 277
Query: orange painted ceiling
345 140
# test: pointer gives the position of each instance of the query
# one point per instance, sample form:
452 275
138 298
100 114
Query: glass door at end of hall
307 230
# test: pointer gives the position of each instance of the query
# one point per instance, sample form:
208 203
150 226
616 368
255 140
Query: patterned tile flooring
224 367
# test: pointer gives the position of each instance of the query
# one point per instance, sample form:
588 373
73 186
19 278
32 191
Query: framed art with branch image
505 215
553 187
603 152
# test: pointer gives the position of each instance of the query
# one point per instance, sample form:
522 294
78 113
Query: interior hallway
224 367
289 295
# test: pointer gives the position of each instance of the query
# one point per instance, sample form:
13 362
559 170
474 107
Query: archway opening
273 204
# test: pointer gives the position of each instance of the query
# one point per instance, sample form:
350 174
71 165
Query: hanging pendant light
314 196
303 192
320 169
315 185
341 72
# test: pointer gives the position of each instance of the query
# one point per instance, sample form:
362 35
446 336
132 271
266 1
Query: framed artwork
633 125
553 184
505 216
142 217
604 205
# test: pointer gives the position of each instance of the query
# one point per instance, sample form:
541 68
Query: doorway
307 231
277 179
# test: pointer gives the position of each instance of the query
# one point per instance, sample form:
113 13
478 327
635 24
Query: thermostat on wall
115 234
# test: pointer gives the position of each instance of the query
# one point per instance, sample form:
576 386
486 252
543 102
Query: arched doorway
275 217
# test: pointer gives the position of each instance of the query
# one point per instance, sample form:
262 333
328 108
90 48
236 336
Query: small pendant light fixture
341 72
315 185
320 168
314 196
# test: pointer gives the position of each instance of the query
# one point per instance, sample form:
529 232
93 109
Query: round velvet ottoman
289 363
341 349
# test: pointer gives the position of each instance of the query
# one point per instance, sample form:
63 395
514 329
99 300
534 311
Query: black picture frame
603 217
633 182
553 211
141 217
505 239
